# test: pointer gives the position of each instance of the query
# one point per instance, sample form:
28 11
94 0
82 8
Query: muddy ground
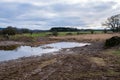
86 63
91 62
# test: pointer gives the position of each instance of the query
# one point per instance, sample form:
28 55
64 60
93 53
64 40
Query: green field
45 34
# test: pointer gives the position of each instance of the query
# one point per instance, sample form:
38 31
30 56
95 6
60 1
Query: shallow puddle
26 51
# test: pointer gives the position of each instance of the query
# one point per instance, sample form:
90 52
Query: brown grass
98 61
87 37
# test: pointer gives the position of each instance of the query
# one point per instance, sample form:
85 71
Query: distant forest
57 29
63 29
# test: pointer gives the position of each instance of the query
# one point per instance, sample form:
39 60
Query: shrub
55 33
92 31
69 34
114 41
78 33
104 31
9 31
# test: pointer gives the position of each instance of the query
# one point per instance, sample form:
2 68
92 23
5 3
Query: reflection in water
11 47
26 51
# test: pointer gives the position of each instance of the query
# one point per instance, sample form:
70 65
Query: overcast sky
44 14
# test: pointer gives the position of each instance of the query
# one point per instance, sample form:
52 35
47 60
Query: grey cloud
55 14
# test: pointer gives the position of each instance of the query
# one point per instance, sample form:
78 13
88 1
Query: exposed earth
91 62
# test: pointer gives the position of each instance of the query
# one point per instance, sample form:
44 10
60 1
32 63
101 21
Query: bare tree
113 23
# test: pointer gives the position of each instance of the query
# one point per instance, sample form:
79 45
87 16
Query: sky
44 14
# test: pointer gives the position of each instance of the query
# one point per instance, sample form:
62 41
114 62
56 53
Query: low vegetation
92 62
12 33
114 41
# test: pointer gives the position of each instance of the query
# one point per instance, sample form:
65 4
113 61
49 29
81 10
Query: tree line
13 30
63 29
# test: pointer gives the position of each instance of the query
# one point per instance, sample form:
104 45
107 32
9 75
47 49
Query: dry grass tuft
98 61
